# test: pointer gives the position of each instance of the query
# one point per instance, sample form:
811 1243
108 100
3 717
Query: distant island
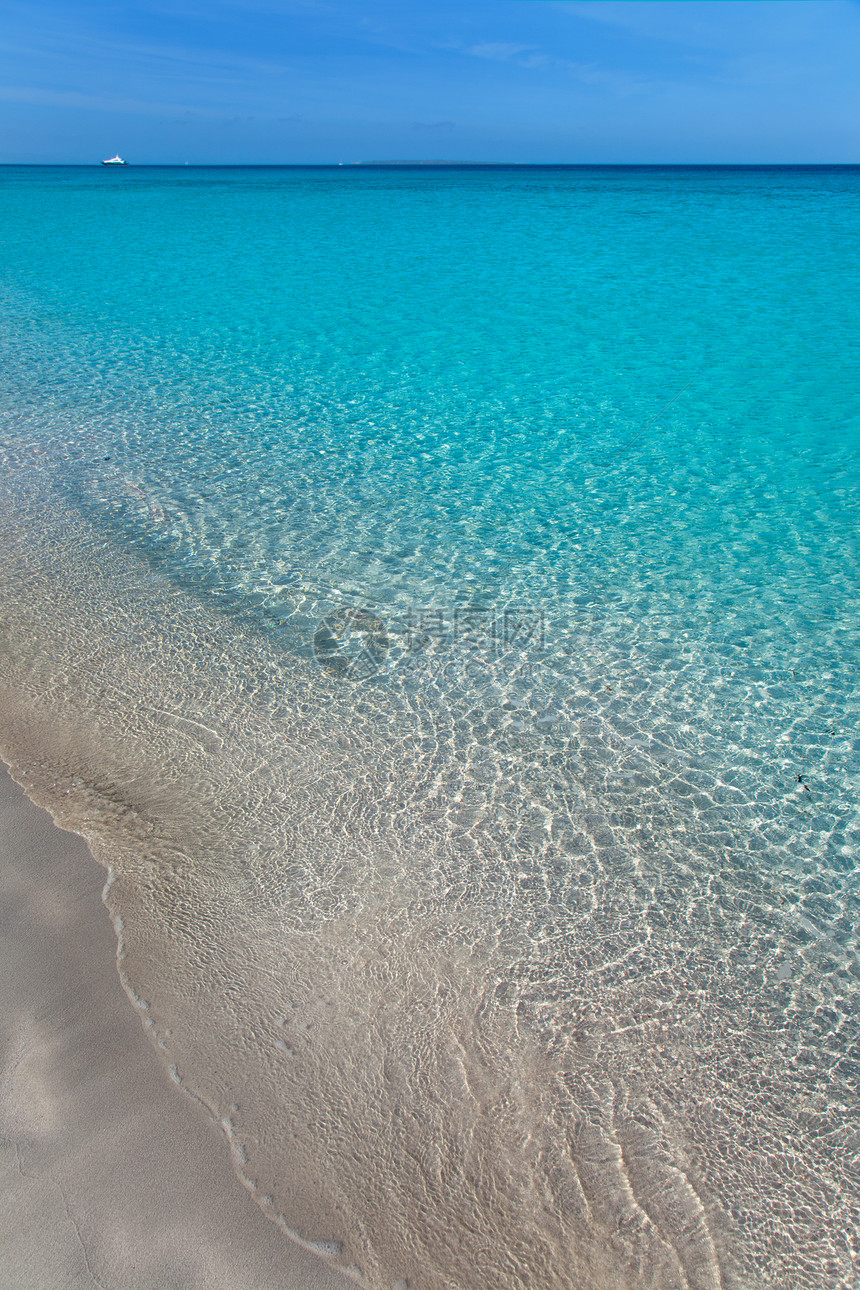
415 163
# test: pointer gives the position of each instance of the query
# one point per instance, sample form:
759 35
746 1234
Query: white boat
115 161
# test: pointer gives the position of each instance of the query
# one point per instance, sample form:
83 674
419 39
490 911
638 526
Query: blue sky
485 80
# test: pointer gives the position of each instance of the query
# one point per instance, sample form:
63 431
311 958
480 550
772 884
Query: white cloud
533 58
104 103
718 27
499 51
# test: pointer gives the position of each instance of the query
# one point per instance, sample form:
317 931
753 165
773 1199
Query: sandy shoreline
109 1175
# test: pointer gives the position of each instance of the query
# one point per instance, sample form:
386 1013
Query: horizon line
346 165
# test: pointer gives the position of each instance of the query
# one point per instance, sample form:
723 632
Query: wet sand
109 1175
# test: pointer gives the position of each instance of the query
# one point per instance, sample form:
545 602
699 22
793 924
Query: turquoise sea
433 591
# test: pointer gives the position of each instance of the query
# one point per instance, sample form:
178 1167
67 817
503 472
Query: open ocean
434 593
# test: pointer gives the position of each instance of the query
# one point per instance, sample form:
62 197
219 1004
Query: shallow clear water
435 593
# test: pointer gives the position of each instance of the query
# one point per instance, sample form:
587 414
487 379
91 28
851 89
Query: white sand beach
109 1175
